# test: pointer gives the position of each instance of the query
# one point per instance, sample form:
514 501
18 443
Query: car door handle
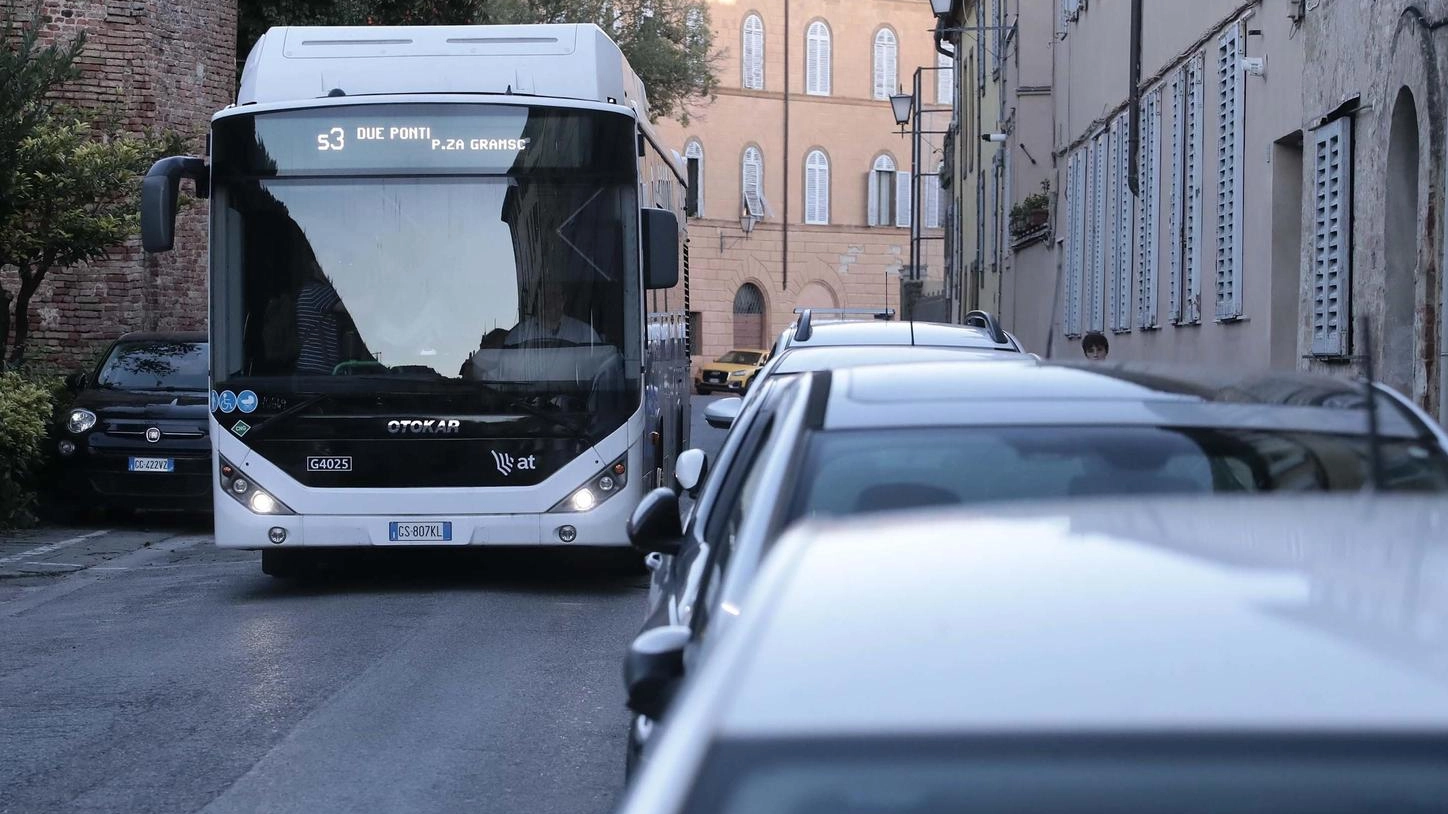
654 561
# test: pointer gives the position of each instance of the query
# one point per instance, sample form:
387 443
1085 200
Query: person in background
319 330
1095 346
546 321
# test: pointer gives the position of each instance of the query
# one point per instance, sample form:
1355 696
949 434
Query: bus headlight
602 486
80 421
248 493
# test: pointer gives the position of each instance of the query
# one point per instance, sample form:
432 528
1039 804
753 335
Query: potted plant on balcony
1032 214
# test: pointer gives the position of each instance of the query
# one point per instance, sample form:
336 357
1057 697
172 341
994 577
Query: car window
866 471
739 357
738 497
155 365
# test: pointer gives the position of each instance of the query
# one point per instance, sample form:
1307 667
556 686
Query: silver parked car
1212 656
888 438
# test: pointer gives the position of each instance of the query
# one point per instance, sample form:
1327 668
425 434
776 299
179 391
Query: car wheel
632 750
286 564
701 391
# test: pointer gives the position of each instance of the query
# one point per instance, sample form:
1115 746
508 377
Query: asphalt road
144 670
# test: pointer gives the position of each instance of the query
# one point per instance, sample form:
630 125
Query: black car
136 435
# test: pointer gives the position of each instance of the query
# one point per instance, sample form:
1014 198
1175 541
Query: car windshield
864 471
938 776
740 357
155 365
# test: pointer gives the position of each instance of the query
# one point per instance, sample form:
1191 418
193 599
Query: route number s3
333 140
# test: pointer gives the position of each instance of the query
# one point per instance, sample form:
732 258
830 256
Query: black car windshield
155 365
374 251
862 471
740 357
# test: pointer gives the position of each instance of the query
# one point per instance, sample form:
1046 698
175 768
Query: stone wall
165 64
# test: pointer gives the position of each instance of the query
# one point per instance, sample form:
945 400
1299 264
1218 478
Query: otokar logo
431 426
508 463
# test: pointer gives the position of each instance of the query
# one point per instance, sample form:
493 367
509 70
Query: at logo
507 463
431 426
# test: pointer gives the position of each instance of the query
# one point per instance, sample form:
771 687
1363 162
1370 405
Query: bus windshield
439 250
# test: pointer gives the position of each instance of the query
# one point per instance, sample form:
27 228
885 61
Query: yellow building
804 175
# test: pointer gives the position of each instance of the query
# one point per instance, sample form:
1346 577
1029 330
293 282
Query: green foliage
29 72
25 409
668 42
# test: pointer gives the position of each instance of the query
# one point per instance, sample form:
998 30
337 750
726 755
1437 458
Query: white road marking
46 549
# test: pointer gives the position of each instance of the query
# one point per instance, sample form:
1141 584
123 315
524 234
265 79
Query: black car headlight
248 492
80 421
602 486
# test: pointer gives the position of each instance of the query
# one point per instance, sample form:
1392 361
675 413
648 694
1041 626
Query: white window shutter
872 193
1192 239
944 79
1148 209
753 52
817 69
886 63
1332 238
817 188
1230 160
1125 220
1098 231
1075 238
932 200
1178 206
903 200
753 181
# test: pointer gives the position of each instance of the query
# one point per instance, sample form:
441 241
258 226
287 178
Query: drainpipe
1133 174
784 254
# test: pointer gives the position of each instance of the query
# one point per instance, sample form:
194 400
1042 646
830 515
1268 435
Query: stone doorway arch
749 317
1399 351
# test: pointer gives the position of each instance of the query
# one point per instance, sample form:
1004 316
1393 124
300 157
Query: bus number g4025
329 463
334 139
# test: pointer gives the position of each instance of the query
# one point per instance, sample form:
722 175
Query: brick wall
167 64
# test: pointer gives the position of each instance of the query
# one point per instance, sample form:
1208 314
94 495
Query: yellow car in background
730 373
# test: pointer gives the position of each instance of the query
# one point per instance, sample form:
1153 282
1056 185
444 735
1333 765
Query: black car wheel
701 390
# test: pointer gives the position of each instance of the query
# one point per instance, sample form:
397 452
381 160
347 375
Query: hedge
25 409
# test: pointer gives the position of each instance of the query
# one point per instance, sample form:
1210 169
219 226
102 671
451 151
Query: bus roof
294 64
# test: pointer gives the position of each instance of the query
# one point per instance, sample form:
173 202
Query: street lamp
941 7
902 105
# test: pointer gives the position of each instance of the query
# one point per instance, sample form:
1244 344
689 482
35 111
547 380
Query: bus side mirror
691 198
159 198
661 249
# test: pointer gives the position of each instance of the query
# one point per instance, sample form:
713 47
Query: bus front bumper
237 527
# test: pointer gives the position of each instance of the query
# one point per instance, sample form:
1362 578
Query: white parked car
1213 655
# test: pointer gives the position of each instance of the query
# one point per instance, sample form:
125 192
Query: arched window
944 79
817 59
817 188
882 192
752 183
695 150
887 63
753 63
749 317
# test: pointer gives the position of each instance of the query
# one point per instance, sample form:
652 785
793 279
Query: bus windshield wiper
275 420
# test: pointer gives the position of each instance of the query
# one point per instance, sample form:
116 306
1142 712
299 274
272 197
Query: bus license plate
425 532
153 465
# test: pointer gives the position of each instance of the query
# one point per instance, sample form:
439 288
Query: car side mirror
721 414
653 670
655 526
76 382
690 469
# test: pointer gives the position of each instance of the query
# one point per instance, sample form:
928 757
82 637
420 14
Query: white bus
447 306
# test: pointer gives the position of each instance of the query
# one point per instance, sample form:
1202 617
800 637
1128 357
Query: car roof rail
877 313
986 320
803 329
